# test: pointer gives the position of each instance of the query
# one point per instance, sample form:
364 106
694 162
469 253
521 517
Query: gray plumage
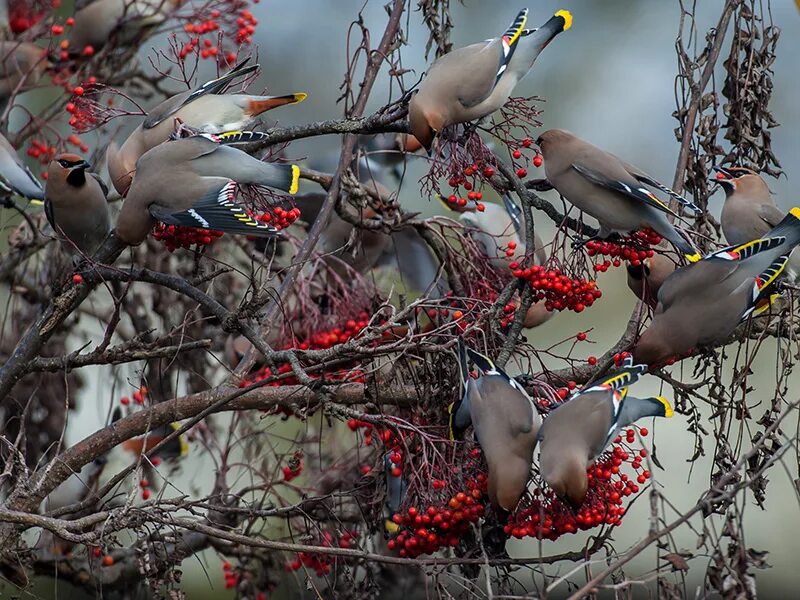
15 175
20 63
701 304
75 204
472 82
206 109
124 21
607 188
191 182
574 434
505 422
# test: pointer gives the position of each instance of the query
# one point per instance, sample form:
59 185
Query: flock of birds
181 166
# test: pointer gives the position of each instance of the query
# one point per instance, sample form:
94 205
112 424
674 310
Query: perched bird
124 21
505 422
701 304
15 176
494 229
206 109
472 82
175 448
748 212
388 150
645 279
192 182
75 203
609 189
575 433
21 66
396 487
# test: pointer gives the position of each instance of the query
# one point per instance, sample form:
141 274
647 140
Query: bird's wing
231 138
460 417
643 177
770 214
487 367
514 213
744 251
217 211
51 218
630 188
619 380
469 73
764 294
509 41
172 105
102 183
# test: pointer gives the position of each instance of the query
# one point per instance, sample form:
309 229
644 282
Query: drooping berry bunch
177 236
439 515
93 104
24 14
545 516
321 563
557 290
633 249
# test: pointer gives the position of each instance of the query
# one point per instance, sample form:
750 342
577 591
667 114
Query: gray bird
192 182
206 109
15 176
395 492
493 229
645 279
21 66
609 189
124 21
505 423
701 304
75 204
574 434
472 82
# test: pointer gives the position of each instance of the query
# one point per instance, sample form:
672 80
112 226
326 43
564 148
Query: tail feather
260 104
280 177
789 228
681 243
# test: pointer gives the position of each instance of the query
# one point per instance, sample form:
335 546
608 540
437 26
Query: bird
609 189
701 304
175 448
75 203
505 422
21 66
396 487
206 109
576 432
646 278
124 21
493 229
15 176
192 181
472 82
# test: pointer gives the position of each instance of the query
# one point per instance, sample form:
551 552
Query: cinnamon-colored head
67 168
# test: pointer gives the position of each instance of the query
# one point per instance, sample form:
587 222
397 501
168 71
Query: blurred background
610 79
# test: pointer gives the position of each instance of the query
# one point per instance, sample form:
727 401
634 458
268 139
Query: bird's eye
64 163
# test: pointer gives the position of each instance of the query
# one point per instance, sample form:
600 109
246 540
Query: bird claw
539 185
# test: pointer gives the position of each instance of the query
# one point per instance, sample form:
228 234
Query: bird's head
740 180
569 481
69 168
640 271
552 138
425 124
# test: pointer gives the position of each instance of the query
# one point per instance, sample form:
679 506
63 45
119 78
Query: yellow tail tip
390 526
693 258
668 412
295 179
299 97
795 212
567 16
36 202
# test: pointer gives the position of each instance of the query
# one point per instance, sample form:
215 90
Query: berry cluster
24 14
385 435
139 397
222 21
633 249
320 340
64 55
144 483
558 291
442 523
321 563
177 236
547 517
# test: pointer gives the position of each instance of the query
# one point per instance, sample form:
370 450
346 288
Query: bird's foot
539 185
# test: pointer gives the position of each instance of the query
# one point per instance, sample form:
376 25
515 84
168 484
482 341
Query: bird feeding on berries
75 204
207 109
192 181
22 64
15 177
505 423
646 278
701 304
575 433
396 486
749 211
610 189
471 83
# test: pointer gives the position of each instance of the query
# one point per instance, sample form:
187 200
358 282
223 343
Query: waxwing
15 176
